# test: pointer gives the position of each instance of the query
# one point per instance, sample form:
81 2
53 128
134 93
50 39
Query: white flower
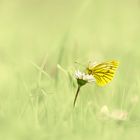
83 76
104 110
82 79
117 115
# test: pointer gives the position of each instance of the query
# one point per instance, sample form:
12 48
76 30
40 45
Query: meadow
40 40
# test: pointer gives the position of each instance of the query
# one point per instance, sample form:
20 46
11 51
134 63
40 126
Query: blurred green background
39 42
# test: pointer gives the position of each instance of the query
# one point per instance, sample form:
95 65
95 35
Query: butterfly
103 72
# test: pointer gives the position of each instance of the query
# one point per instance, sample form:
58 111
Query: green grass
39 43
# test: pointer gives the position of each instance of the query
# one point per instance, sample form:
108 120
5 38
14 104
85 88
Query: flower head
83 78
104 110
117 115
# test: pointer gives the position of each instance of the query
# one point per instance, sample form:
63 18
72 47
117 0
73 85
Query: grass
39 43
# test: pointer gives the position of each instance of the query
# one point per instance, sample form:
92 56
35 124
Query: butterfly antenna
79 64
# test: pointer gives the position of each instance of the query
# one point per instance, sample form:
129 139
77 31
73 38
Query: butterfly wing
105 72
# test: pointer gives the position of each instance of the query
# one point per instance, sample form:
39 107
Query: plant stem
77 92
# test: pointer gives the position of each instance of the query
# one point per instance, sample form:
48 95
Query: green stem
77 92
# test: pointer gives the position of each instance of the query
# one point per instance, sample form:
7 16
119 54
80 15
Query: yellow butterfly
103 72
